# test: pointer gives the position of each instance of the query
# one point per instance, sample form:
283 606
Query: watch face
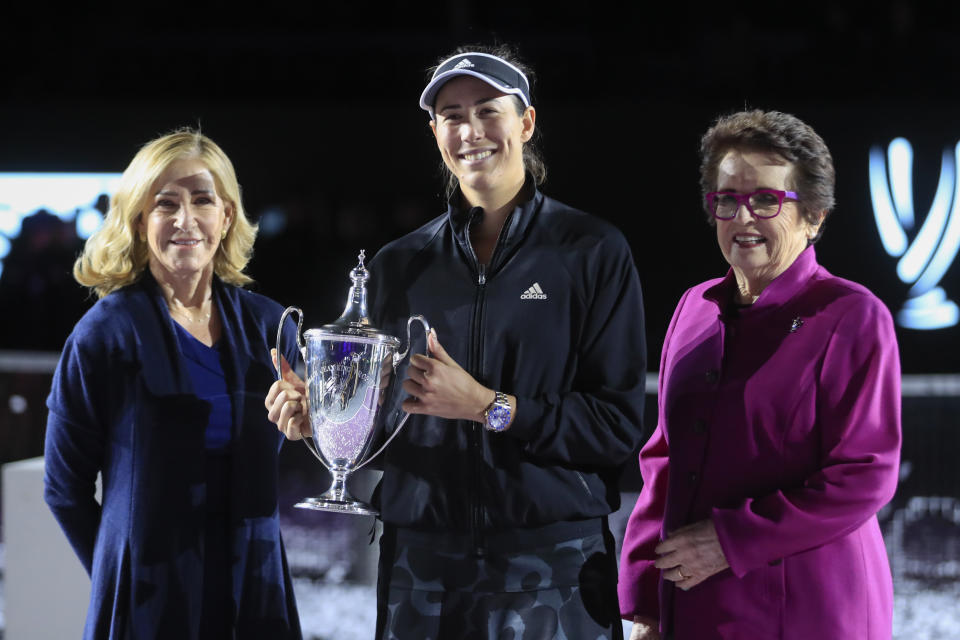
498 417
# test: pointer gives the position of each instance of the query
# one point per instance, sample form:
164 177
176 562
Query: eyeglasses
762 203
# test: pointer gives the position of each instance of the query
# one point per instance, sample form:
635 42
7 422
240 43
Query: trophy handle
307 440
397 359
303 347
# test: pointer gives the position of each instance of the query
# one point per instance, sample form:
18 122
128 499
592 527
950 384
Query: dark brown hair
532 160
813 176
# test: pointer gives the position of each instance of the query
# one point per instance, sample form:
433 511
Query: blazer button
774 563
713 375
699 426
693 477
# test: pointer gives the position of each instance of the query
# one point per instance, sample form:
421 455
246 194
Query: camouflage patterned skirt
527 584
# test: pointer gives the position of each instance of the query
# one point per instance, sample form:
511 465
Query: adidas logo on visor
534 293
464 64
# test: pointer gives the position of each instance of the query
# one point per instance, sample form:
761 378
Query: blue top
205 366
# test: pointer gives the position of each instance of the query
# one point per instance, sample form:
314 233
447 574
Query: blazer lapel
233 347
164 369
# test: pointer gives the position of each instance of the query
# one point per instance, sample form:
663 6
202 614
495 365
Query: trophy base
338 506
932 310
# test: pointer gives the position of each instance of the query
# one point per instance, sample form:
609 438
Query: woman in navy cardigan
160 390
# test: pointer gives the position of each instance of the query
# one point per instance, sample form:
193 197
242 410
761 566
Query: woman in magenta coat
779 431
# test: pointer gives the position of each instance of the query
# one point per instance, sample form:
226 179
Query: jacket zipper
476 429
583 481
475 365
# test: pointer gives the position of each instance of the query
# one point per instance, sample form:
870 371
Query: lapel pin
796 324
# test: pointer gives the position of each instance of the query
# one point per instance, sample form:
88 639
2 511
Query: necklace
182 312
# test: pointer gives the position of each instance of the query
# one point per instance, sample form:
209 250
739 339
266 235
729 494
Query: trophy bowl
352 393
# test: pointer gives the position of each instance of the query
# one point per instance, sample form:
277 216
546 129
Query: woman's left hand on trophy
440 387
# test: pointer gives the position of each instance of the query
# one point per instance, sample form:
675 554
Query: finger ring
680 573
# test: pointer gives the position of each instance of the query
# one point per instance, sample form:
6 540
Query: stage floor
347 611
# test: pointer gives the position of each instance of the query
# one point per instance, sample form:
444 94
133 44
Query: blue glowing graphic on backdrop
924 261
72 197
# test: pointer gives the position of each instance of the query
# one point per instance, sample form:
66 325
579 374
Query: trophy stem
338 488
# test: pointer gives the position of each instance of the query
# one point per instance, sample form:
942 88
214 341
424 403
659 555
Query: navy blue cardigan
122 404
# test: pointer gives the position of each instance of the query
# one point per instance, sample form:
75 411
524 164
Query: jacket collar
783 288
514 228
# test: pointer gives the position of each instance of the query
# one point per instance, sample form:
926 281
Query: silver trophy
353 392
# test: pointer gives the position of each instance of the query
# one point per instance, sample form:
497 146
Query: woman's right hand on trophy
286 402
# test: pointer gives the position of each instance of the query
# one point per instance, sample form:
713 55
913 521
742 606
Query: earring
142 236
223 234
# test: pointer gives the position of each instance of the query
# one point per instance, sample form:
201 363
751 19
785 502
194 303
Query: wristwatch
497 414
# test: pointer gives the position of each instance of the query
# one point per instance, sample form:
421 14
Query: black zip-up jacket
555 319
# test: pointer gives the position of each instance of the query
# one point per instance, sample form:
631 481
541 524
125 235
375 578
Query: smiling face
183 220
760 249
480 135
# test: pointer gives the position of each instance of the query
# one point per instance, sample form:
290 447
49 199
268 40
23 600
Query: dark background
316 104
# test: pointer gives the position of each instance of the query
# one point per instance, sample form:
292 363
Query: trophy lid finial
354 317
359 273
354 321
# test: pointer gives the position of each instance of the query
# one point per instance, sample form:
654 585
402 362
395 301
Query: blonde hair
115 256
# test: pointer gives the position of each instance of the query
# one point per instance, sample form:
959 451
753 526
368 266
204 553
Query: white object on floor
46 589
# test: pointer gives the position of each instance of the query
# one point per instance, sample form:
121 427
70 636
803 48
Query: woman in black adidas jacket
494 499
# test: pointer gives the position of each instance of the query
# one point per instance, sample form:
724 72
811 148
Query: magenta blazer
781 423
